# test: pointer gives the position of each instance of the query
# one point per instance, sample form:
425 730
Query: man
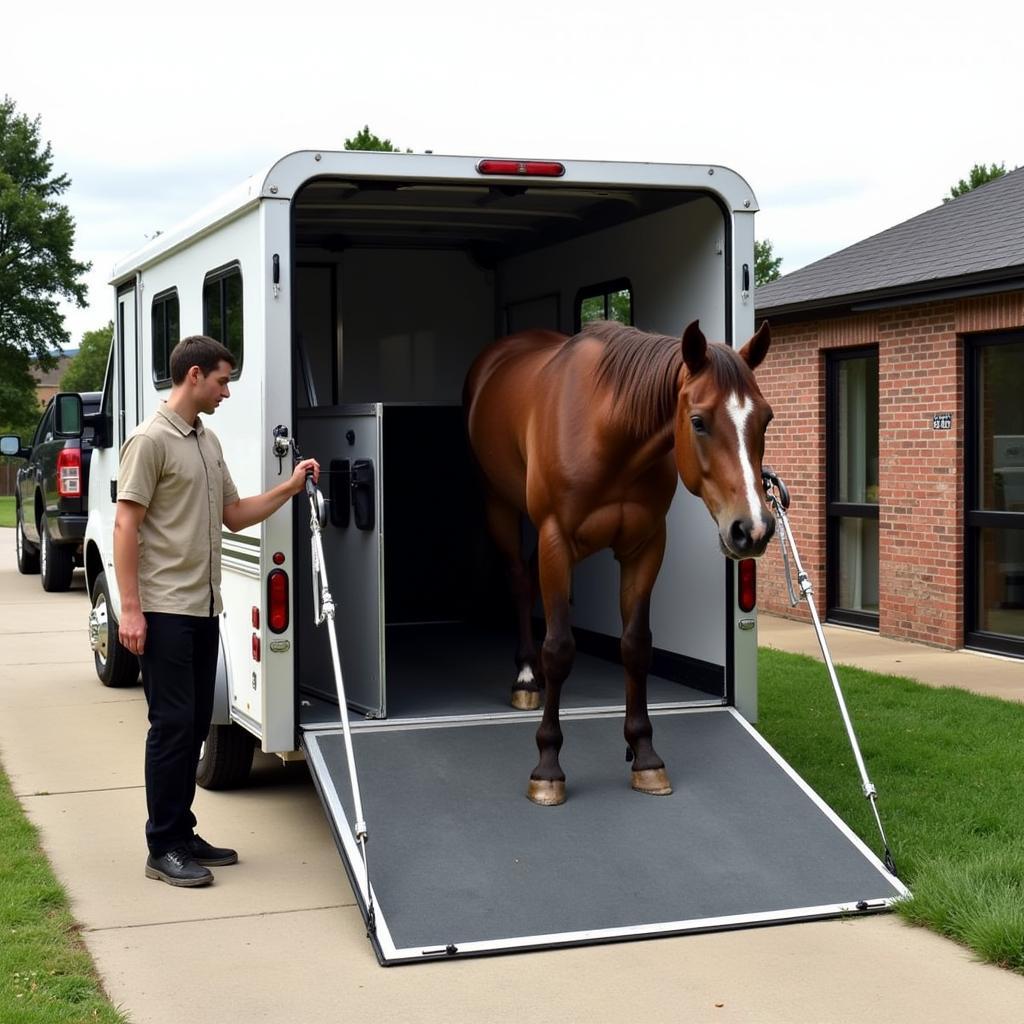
174 493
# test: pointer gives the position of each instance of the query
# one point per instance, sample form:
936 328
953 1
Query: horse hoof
653 781
546 793
526 700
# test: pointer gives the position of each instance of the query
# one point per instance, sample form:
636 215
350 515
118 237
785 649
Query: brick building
897 379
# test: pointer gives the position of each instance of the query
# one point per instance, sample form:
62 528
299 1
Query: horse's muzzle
747 539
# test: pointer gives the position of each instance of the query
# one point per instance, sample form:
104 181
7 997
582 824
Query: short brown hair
198 350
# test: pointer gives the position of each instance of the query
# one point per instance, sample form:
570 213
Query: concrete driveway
278 938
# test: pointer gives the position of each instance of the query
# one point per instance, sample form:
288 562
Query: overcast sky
844 122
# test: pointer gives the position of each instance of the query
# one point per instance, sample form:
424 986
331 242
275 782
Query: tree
766 266
19 403
37 234
979 175
87 368
365 139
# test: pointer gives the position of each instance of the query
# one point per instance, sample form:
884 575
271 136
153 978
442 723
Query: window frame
605 289
220 276
162 298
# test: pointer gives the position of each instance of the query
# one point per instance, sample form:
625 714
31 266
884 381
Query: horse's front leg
639 572
547 780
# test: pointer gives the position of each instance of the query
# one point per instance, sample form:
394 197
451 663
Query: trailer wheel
28 554
226 757
115 664
56 562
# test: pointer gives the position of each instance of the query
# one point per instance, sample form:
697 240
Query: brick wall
921 502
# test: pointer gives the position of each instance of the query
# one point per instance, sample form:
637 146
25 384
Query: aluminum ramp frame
463 864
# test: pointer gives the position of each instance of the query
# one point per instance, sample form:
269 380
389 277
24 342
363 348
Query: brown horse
579 433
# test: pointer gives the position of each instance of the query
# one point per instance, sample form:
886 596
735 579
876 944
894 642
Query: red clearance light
255 617
278 557
255 647
748 584
69 473
277 601
522 168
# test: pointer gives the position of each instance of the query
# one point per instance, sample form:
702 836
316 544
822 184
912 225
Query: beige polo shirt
177 471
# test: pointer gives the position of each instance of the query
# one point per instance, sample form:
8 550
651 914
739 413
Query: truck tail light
522 168
277 601
69 473
748 584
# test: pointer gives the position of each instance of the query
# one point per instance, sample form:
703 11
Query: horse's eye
698 425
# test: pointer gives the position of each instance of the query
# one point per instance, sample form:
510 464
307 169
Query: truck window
166 334
222 310
609 300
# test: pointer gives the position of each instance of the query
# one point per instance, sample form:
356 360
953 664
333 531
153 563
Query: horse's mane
643 371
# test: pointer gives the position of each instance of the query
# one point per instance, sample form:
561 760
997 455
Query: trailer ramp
463 864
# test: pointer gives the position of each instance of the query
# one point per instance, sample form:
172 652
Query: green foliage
8 512
19 405
37 235
365 139
979 175
85 373
46 975
949 774
766 266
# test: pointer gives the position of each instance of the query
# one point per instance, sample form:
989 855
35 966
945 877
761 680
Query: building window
166 334
852 487
611 300
994 550
222 310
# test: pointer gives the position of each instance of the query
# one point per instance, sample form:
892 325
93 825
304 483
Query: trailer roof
551 198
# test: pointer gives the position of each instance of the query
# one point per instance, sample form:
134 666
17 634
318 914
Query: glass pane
1001 427
592 309
173 325
213 326
620 306
857 422
233 315
858 565
1001 582
159 342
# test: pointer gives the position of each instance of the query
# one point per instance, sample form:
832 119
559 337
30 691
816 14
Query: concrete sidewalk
278 938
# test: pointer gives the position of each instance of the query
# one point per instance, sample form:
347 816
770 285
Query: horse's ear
756 349
695 348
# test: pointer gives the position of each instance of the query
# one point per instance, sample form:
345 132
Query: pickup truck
50 498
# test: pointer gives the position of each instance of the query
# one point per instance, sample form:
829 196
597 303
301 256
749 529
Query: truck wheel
226 757
28 554
115 664
56 561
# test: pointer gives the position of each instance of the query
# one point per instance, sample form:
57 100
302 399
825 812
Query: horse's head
721 418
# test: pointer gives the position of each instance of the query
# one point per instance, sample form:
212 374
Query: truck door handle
362 493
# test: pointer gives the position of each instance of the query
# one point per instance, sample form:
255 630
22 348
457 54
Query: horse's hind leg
503 521
639 572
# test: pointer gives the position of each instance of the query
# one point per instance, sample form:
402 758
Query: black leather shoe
203 853
177 867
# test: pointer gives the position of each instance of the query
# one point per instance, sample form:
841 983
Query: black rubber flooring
459 854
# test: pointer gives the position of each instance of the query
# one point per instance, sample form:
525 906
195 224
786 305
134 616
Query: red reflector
278 557
522 168
748 584
277 601
69 473
255 647
255 617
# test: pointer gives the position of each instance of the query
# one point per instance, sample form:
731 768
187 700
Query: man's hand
298 480
131 631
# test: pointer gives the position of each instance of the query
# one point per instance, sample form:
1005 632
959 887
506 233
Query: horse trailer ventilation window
166 323
611 300
222 310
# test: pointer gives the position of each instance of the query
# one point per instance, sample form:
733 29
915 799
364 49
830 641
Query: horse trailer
355 289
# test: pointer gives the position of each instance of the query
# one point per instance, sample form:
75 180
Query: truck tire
28 554
56 561
115 664
226 757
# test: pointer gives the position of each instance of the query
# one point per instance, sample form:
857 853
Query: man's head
203 367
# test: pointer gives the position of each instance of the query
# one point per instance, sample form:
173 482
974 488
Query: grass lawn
7 511
949 769
46 973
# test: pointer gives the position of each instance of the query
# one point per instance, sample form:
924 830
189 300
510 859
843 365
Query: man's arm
249 511
132 626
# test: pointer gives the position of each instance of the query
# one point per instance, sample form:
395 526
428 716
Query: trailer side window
222 310
609 300
166 334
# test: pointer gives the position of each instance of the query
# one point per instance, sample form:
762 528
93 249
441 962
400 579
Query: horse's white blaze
739 413
525 675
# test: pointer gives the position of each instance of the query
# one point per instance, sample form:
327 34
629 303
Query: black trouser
179 670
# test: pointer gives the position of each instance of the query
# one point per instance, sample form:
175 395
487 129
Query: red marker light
748 584
277 601
522 168
278 557
255 647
